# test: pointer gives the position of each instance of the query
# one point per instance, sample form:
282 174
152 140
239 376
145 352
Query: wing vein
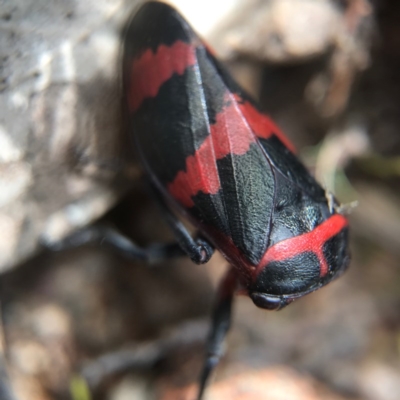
212 145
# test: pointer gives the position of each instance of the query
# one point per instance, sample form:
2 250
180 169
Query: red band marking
312 241
229 135
261 124
236 127
233 132
151 70
201 174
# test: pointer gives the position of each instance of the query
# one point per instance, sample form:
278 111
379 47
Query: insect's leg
221 320
102 234
198 250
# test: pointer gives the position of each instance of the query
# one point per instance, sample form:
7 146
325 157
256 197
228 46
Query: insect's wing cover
192 133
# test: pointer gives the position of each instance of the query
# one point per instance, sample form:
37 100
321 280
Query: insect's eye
267 302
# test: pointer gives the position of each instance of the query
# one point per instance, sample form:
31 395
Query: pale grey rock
59 113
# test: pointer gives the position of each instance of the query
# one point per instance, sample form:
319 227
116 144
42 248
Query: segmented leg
198 249
221 320
105 235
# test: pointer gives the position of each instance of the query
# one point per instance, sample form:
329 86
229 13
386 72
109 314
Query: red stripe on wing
261 124
151 70
229 135
312 241
201 174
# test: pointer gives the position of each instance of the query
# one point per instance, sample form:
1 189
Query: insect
213 157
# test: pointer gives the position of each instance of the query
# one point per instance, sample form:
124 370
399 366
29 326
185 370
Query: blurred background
86 324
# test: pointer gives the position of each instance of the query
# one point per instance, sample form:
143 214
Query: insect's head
299 265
